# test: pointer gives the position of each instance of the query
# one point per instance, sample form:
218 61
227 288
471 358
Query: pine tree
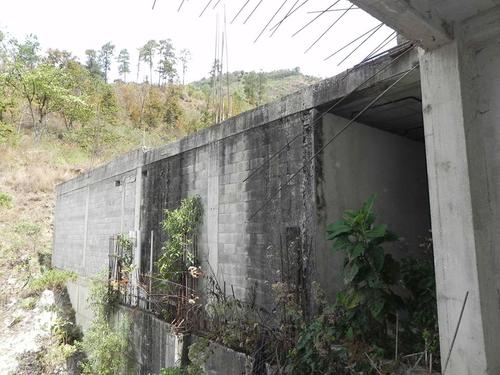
124 61
105 58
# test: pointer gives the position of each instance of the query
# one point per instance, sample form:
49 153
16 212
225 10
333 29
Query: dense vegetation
52 94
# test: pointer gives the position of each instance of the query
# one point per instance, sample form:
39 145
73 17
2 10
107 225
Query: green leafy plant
53 279
102 299
341 334
126 257
171 371
419 280
29 303
316 351
7 132
370 274
28 228
199 352
180 225
105 346
65 331
5 200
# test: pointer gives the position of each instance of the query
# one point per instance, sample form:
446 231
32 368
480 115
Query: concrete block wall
243 231
232 245
92 208
155 347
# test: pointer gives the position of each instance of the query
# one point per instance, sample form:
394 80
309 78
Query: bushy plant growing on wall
180 225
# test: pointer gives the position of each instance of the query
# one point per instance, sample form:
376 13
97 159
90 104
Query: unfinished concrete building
438 121
237 167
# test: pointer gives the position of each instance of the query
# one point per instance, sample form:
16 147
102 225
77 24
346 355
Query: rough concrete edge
122 164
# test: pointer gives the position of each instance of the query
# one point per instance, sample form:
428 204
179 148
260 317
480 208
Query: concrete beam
421 25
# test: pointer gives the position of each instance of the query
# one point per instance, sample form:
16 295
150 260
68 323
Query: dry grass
28 173
36 178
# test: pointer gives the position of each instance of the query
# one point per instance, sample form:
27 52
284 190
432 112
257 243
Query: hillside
31 166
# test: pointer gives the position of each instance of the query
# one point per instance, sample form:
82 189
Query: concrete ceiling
428 22
398 112
458 10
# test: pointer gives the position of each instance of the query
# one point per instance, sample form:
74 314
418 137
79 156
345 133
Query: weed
7 134
54 280
105 346
28 228
5 200
28 303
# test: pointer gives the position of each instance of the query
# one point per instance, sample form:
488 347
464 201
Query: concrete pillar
461 104
212 210
138 236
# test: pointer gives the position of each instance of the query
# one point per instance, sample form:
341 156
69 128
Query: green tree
167 62
59 58
105 58
92 63
45 91
27 52
147 54
124 63
7 96
172 109
254 87
79 83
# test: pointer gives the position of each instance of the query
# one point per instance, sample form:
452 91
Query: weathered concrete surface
461 85
369 161
155 346
417 20
91 208
244 232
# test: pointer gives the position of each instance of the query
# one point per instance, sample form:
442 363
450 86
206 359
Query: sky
78 25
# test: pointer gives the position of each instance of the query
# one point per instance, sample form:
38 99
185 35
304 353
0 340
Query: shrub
7 133
339 337
65 331
5 200
421 327
54 280
315 352
105 346
28 228
181 226
28 303
367 301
